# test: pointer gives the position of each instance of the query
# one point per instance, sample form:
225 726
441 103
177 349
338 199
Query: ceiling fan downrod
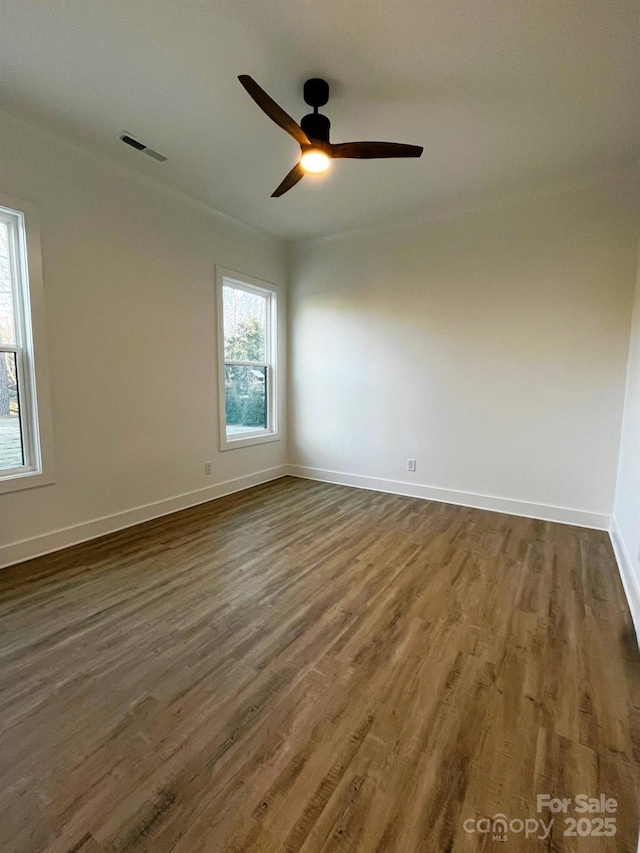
315 125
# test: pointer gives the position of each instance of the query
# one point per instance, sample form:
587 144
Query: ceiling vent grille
140 146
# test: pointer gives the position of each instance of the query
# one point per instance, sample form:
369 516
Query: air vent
140 146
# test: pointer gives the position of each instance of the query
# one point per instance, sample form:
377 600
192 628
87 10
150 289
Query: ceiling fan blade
275 112
374 150
290 181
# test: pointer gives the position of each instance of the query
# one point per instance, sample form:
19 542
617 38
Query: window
247 331
23 441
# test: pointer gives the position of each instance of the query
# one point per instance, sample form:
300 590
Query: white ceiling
502 94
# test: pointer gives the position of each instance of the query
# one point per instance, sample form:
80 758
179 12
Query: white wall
490 346
625 526
130 300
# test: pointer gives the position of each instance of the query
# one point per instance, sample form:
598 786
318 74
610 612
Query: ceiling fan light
315 160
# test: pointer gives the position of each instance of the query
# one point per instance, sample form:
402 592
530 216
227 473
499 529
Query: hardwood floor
308 667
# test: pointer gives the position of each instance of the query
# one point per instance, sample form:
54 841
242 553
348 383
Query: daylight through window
18 431
248 331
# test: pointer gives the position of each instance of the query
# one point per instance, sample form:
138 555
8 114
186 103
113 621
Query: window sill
26 480
247 440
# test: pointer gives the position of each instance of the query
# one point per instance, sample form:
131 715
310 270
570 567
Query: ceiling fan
312 134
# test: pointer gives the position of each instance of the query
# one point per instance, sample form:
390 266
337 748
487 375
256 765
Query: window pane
245 398
245 322
7 324
11 450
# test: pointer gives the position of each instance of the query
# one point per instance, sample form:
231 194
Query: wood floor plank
309 667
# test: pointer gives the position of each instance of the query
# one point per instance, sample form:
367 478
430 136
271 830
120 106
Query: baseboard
27 549
545 512
630 580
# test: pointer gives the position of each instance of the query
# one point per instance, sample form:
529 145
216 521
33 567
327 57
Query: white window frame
225 277
30 348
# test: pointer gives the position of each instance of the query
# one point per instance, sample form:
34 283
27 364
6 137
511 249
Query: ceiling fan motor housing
316 126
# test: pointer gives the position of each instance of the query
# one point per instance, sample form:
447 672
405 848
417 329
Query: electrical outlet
411 464
207 467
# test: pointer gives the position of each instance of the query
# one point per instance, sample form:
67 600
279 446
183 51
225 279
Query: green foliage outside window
245 387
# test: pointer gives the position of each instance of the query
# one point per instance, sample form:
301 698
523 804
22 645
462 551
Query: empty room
319 426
